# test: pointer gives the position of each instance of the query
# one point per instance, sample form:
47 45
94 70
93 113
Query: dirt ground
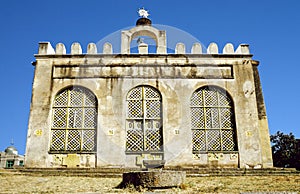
18 183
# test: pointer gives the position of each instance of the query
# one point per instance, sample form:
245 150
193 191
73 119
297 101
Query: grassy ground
18 183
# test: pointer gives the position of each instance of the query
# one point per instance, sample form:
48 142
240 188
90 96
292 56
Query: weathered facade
203 108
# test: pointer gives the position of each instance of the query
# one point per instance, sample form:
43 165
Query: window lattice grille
198 140
59 118
58 140
134 109
134 140
74 121
61 100
228 143
212 120
153 140
213 140
153 109
75 118
88 140
143 123
74 140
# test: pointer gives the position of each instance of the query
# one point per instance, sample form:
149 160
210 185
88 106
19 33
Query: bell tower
144 28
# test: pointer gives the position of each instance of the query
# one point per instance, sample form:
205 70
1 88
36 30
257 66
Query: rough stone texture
228 49
107 48
213 48
243 49
110 77
76 49
180 48
92 48
197 48
153 179
45 48
143 48
262 116
60 49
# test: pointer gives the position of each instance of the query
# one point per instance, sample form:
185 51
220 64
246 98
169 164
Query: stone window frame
79 135
213 125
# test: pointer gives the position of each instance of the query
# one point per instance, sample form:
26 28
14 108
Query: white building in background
10 158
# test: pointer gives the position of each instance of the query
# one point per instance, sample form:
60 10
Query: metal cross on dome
143 13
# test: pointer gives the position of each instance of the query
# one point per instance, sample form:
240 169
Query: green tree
285 150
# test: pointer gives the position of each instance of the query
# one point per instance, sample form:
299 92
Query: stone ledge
117 172
154 163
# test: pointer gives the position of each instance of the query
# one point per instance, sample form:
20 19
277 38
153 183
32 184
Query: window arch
74 121
144 120
212 120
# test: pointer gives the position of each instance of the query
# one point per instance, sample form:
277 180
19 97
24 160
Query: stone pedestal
153 179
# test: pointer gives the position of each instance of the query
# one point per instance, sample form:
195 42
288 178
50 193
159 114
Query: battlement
45 48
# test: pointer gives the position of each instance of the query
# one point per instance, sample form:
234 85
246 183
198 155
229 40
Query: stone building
11 158
133 110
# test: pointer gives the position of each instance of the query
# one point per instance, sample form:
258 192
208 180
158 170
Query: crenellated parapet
45 48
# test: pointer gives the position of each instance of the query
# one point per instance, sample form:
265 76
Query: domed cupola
11 150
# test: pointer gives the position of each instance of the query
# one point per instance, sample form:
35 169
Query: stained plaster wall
176 77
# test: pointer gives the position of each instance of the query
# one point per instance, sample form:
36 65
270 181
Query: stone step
118 172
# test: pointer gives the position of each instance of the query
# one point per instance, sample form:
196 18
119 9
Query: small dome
143 21
11 150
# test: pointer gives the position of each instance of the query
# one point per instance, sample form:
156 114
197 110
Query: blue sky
272 28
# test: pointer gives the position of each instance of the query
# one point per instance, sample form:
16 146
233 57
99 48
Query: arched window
143 123
74 121
212 120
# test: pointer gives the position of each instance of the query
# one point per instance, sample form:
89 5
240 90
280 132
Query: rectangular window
10 163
